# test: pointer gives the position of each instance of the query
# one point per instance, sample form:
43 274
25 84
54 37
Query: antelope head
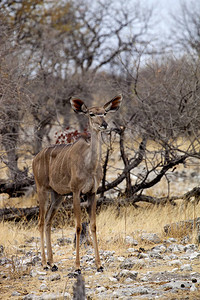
96 115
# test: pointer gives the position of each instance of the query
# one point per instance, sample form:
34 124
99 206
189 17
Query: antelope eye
92 115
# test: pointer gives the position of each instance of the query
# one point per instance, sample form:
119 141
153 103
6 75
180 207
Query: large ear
78 106
114 104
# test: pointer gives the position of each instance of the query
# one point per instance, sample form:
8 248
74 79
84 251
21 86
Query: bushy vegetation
52 51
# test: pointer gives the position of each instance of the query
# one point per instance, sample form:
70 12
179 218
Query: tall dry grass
14 235
113 225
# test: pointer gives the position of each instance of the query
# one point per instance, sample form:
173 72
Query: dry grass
18 202
13 235
114 224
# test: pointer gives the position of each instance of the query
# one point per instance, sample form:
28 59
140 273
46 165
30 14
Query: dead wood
31 213
17 214
17 188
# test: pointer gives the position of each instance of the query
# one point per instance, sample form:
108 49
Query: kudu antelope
75 168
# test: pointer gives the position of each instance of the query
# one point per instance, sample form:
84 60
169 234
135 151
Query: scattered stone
106 253
194 255
100 289
143 255
131 241
31 296
176 248
3 261
185 240
151 237
190 248
113 279
175 263
155 255
54 277
121 258
127 264
42 273
193 288
131 250
128 274
186 267
177 284
35 260
33 273
159 249
43 287
64 241
15 293
171 240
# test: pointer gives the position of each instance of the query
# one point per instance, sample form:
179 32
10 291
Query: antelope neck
95 148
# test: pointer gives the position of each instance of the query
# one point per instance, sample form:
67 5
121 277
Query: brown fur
75 168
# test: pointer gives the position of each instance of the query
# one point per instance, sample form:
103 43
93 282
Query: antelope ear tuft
78 106
114 104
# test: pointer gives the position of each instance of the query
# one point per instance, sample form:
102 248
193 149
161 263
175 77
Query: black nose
104 124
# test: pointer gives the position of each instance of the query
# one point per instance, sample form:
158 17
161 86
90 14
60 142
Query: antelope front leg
92 215
77 213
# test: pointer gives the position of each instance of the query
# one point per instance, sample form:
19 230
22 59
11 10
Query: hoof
100 269
46 266
54 268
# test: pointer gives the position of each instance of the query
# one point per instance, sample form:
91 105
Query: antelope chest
91 184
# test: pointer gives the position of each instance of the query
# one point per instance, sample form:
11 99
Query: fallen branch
17 214
16 189
30 213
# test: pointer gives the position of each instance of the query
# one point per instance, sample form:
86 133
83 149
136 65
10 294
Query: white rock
51 296
193 288
31 296
15 293
43 287
54 277
33 273
151 237
145 278
120 258
113 279
186 267
131 250
194 255
160 248
131 241
175 263
175 270
171 240
101 289
176 248
43 273
190 248
128 274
